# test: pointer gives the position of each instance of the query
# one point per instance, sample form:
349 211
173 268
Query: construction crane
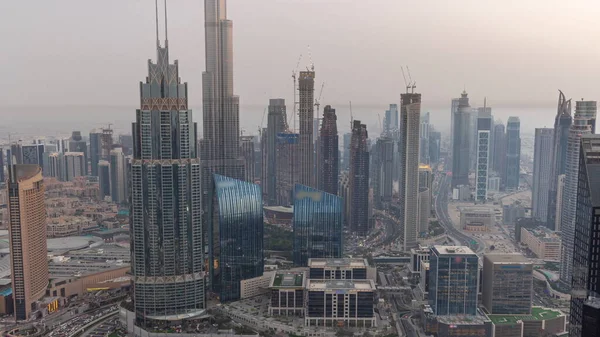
410 85
312 65
262 121
318 101
294 77
351 116
380 125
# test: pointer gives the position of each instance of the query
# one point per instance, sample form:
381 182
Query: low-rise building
477 219
287 293
338 303
256 286
340 269
460 326
541 322
543 242
424 279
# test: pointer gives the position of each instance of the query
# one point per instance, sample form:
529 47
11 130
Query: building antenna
351 116
156 8
166 35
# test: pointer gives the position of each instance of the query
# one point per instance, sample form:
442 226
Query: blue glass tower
235 236
453 280
318 219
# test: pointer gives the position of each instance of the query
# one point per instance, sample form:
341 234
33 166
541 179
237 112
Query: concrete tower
328 168
513 153
461 142
276 123
542 167
306 115
359 180
484 136
118 177
27 237
410 118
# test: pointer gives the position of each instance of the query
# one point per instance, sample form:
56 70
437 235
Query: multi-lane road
441 210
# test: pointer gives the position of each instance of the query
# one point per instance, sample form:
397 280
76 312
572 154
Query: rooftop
288 279
280 209
537 314
544 234
506 258
345 262
454 250
359 285
463 320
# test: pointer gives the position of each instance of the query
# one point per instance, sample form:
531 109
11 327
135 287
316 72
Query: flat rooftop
454 250
537 314
463 320
544 234
360 285
288 279
335 263
280 209
80 268
507 258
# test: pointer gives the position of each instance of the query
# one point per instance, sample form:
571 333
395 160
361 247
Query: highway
441 210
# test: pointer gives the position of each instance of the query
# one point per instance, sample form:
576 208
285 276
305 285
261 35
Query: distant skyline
91 54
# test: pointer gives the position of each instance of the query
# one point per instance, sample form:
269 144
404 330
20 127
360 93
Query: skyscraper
1 166
384 167
587 110
346 158
408 147
513 153
453 115
586 270
287 169
579 128
542 168
53 165
220 149
499 140
328 168
247 152
453 280
461 141
77 144
306 115
391 119
236 235
425 196
424 139
359 180
507 284
33 154
74 165
562 124
484 136
104 178
276 123
101 142
435 143
318 225
167 252
118 177
560 188
27 237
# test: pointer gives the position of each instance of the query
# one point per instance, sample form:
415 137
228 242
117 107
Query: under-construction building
328 163
287 170
306 115
359 179
277 123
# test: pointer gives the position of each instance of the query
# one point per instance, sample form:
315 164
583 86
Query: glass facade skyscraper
453 280
513 153
167 252
318 225
235 235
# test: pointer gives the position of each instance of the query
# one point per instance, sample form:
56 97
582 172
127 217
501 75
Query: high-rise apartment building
236 236
586 269
579 128
425 197
53 165
435 143
513 153
77 144
276 123
101 141
74 165
383 156
247 152
453 115
391 119
587 110
408 147
287 169
484 137
562 124
167 251
461 141
346 158
359 180
118 176
453 280
27 237
318 225
306 115
507 284
328 161
32 154
560 188
499 141
104 178
542 169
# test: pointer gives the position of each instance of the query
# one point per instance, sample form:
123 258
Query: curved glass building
318 225
236 235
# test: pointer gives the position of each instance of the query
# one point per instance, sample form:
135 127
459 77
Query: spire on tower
156 9
166 34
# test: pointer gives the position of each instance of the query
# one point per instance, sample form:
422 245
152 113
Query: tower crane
294 77
318 101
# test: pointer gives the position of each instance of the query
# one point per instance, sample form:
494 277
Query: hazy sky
517 53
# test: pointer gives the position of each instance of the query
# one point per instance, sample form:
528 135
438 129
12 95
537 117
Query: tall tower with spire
167 252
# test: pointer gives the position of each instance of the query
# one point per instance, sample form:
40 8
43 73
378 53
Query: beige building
27 237
114 277
255 286
543 242
477 219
